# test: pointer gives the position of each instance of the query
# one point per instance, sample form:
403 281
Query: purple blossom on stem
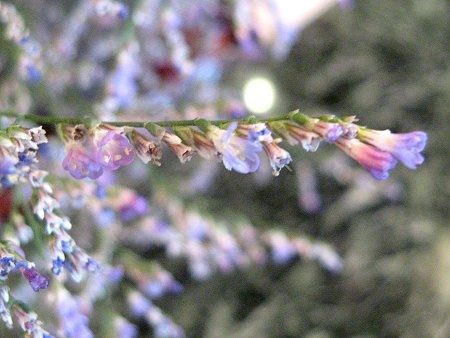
376 161
109 149
405 147
113 151
237 153
80 162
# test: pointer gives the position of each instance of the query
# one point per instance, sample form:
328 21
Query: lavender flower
80 162
113 150
108 149
12 259
132 208
405 147
237 153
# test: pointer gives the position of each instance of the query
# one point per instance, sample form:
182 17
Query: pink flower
405 147
376 161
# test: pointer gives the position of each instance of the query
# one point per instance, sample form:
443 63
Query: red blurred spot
166 71
6 203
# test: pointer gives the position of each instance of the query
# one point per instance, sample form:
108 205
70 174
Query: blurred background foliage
388 63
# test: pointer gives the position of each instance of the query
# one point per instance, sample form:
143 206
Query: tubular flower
376 161
183 152
146 149
237 153
278 157
405 147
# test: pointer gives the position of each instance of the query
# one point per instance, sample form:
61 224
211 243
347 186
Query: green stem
173 123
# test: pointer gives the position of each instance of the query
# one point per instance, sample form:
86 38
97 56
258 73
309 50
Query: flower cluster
90 152
18 148
240 144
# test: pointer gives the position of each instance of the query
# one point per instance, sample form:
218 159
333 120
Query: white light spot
259 95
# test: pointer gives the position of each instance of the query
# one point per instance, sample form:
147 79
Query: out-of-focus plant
108 82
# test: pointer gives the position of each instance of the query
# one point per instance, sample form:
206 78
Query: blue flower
237 153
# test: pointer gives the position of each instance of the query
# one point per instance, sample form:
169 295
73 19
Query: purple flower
113 151
376 161
36 280
109 149
405 147
80 162
237 153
